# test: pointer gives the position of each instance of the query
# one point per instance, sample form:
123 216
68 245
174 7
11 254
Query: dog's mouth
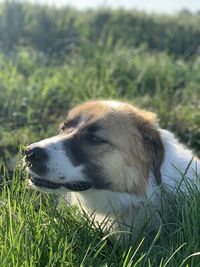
73 186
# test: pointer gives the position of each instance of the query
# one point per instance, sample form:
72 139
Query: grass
35 232
150 61
34 102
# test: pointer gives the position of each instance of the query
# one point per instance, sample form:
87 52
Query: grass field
38 233
112 59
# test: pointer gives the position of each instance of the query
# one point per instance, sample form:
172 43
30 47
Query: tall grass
35 232
35 97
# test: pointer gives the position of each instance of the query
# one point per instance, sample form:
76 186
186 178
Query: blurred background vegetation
52 59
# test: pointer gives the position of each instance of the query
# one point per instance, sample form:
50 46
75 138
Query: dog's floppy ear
154 148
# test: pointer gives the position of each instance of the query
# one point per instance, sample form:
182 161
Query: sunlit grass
35 231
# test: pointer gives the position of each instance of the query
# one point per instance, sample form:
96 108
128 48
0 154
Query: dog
111 159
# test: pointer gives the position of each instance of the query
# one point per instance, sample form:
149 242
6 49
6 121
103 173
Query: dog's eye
95 140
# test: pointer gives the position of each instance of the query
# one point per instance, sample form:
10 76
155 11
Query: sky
159 6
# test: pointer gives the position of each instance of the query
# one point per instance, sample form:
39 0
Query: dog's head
101 145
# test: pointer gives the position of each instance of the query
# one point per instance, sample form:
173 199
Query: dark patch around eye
79 156
92 139
93 128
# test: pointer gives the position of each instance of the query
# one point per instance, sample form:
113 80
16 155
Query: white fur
179 161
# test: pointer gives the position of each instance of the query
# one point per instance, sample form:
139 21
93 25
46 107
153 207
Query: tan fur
136 144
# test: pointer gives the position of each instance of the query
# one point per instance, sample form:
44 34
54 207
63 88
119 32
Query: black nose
33 154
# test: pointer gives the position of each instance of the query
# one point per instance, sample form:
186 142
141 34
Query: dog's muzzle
36 160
